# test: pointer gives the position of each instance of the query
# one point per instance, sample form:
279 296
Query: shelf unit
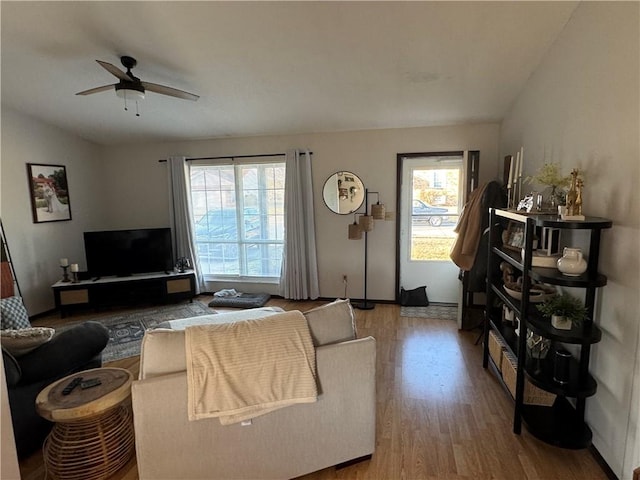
561 424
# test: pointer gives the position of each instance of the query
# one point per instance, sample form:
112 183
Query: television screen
125 252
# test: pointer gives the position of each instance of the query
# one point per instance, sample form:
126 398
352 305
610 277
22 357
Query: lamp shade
378 211
130 94
366 223
355 232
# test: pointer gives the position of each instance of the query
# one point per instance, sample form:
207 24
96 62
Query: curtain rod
232 157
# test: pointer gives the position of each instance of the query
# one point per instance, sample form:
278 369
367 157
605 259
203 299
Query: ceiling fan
131 87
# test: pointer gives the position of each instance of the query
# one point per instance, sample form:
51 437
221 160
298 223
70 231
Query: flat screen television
126 252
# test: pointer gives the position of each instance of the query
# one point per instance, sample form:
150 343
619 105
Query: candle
64 262
510 173
521 162
516 167
74 267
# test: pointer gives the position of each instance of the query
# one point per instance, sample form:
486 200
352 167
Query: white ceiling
272 67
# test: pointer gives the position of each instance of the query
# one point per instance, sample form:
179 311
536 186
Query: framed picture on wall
49 193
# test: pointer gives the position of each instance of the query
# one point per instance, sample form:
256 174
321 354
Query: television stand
100 292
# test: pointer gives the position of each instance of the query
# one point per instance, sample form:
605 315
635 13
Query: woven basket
496 350
532 394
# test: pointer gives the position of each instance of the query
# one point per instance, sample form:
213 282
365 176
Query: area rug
127 329
433 311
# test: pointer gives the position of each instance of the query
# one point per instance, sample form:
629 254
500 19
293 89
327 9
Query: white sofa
287 443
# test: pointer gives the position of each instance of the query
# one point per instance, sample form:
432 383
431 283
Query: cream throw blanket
240 370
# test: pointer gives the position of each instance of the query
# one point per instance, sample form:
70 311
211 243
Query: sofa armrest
11 368
67 351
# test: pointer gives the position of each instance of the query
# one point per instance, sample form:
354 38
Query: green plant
563 305
549 174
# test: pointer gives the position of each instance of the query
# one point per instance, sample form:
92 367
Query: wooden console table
110 291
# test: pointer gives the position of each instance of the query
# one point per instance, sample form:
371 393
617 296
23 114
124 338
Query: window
435 208
238 214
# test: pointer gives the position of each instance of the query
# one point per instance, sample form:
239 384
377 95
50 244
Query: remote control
91 382
72 384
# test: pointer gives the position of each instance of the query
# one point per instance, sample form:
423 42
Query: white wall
581 109
140 198
36 248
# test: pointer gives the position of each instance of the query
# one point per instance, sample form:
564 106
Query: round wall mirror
343 192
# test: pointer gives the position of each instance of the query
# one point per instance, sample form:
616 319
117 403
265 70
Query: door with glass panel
431 199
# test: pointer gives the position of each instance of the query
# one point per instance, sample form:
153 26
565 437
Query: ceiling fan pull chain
125 102
137 111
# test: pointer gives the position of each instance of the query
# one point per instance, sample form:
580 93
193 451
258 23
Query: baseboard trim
603 464
43 314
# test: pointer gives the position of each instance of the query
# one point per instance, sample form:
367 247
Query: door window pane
435 211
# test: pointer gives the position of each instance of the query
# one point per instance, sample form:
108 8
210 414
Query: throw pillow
331 323
13 315
414 298
21 342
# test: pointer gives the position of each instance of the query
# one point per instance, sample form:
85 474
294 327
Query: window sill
241 280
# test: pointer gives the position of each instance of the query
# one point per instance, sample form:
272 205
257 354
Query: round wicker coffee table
93 433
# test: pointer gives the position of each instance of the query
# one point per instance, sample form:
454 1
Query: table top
112 279
82 404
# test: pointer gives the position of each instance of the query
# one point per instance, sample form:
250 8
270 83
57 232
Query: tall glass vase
553 200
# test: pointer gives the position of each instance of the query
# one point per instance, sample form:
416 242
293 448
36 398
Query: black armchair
69 351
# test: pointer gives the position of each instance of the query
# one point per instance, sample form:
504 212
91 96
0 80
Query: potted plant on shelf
563 309
549 175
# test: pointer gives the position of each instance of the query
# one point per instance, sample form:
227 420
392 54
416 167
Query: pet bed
244 300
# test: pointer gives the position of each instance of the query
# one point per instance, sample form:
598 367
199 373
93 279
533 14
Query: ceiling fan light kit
129 93
131 88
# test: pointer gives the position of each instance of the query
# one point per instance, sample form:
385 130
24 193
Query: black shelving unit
561 424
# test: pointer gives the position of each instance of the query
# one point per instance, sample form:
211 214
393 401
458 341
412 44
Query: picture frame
49 191
513 238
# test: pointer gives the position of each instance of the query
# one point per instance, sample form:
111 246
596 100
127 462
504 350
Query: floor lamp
365 224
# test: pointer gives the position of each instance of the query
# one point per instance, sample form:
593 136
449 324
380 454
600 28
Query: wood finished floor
440 415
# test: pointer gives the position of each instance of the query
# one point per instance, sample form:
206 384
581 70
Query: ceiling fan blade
112 69
172 92
104 88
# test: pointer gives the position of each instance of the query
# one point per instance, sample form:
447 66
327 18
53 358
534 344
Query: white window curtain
180 216
299 276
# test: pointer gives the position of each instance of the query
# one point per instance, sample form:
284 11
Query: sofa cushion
21 342
13 315
162 350
331 323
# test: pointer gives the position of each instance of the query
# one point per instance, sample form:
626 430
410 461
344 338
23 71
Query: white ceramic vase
572 262
560 322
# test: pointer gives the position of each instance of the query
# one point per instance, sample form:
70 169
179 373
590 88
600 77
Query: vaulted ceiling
264 68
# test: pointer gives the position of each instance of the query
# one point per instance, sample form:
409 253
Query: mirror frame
343 192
